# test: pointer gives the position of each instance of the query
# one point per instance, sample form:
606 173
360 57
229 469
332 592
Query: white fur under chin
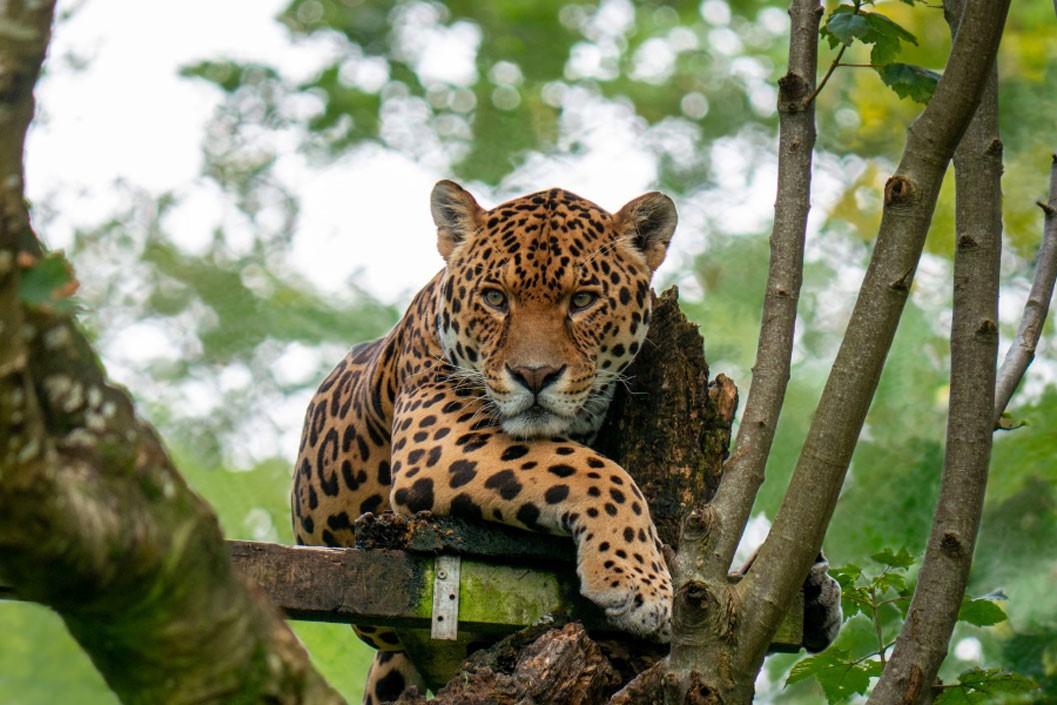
537 423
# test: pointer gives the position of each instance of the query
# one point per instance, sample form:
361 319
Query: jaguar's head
546 300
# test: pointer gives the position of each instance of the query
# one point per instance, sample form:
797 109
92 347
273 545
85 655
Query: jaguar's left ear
456 215
649 221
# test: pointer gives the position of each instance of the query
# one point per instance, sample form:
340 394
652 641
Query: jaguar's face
546 301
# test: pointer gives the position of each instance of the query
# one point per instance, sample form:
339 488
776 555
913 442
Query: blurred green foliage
696 82
875 603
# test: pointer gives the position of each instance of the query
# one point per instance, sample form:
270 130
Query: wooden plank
339 584
395 588
342 585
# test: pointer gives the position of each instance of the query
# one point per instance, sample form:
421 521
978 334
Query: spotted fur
479 402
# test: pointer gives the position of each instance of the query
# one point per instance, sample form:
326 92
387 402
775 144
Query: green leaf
908 81
887 38
982 612
892 581
49 282
840 676
888 28
978 685
845 25
846 575
900 560
854 598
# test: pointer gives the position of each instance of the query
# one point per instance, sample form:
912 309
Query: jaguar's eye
495 298
582 300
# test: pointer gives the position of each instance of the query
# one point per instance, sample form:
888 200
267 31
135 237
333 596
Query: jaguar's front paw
822 612
636 602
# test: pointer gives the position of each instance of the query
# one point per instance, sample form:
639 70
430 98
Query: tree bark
667 425
923 642
560 666
1022 350
910 197
94 520
744 471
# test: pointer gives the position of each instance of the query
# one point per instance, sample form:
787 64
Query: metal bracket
445 623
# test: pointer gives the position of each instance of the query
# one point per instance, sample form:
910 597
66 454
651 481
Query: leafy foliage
981 612
978 685
848 24
900 560
908 81
840 676
881 598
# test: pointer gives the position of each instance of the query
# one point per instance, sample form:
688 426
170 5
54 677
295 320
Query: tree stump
670 428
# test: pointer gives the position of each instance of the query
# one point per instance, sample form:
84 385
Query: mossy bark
95 522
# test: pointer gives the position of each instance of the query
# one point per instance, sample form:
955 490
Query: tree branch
94 520
923 642
743 472
910 197
1022 351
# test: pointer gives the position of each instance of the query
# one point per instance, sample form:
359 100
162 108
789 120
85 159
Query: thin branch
835 65
881 653
923 642
1022 351
910 198
743 472
829 72
878 632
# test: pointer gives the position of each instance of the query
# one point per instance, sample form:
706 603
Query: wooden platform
444 585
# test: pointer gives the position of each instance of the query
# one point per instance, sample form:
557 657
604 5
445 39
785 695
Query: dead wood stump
670 428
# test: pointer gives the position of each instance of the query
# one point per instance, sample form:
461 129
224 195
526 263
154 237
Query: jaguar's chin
538 422
540 419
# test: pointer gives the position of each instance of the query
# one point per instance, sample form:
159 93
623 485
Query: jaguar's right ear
456 214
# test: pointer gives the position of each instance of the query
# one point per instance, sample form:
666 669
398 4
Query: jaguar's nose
535 379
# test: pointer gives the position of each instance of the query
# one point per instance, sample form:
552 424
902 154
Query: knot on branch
698 524
951 545
902 285
913 689
700 613
899 191
793 92
699 693
987 329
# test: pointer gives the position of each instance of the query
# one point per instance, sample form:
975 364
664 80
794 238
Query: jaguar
480 403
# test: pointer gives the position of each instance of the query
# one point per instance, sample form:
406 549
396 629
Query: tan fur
478 403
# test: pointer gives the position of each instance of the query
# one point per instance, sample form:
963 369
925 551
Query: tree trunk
94 520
